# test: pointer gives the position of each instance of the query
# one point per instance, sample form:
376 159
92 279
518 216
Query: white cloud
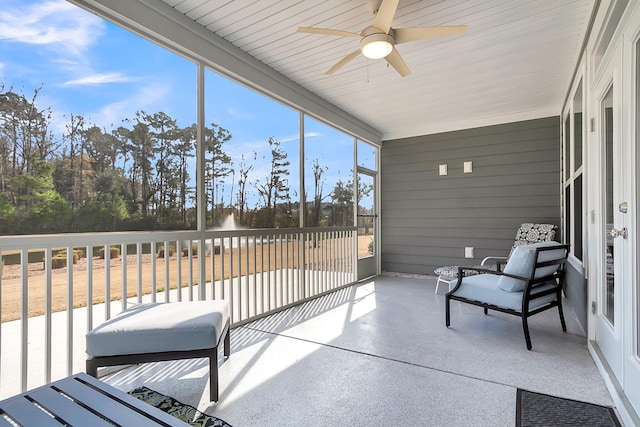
98 79
238 114
151 97
54 23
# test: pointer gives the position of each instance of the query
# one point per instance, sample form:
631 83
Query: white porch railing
47 307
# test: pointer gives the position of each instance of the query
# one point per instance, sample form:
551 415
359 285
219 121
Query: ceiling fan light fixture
376 46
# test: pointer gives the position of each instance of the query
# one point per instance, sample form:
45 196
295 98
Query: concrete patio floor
378 353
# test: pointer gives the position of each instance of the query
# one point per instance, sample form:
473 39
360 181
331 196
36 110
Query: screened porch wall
428 219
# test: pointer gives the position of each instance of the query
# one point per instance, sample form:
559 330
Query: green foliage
274 188
137 176
342 204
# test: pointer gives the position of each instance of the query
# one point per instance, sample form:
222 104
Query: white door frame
606 336
631 303
620 65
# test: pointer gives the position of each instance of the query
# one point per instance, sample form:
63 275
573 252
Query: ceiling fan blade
342 62
327 31
385 15
398 63
403 35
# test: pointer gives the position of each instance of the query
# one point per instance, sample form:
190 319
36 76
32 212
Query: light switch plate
443 169
468 252
468 167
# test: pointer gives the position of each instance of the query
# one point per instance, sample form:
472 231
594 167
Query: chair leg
92 368
561 313
525 327
213 376
227 343
447 315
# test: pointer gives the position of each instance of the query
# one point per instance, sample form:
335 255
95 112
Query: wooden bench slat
67 409
4 422
26 413
112 408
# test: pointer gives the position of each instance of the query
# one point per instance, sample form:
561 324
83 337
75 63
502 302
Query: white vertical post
89 256
69 310
139 266
154 275
24 318
123 257
107 281
47 314
179 269
201 206
166 271
247 276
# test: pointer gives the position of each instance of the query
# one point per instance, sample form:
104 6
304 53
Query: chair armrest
461 270
497 258
461 275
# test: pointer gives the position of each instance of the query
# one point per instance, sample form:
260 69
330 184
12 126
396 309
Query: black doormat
535 409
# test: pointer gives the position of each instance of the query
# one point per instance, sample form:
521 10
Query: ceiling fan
379 39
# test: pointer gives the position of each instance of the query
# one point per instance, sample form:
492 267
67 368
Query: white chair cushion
521 264
484 288
160 327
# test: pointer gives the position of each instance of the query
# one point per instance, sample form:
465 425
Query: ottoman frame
94 362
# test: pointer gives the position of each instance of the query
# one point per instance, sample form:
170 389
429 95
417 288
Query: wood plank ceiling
515 62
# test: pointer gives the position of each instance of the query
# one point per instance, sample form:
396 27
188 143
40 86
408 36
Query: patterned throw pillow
186 413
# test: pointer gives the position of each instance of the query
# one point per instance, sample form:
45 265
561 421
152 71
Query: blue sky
90 67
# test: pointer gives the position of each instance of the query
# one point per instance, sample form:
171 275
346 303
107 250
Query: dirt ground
11 284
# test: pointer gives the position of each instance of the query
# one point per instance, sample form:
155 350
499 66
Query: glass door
607 305
632 362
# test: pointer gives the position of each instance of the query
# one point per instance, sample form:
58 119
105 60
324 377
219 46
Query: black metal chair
530 283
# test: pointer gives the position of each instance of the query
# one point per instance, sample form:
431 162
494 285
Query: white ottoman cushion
160 327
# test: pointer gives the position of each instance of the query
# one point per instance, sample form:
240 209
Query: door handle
624 233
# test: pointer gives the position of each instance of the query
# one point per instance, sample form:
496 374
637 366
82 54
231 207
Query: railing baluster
202 269
89 257
47 314
190 261
154 276
269 238
239 278
213 268
287 266
107 281
166 271
69 310
139 264
247 277
222 261
231 287
255 276
262 281
179 269
123 263
24 318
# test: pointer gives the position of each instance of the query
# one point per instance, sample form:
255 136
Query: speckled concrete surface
379 354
